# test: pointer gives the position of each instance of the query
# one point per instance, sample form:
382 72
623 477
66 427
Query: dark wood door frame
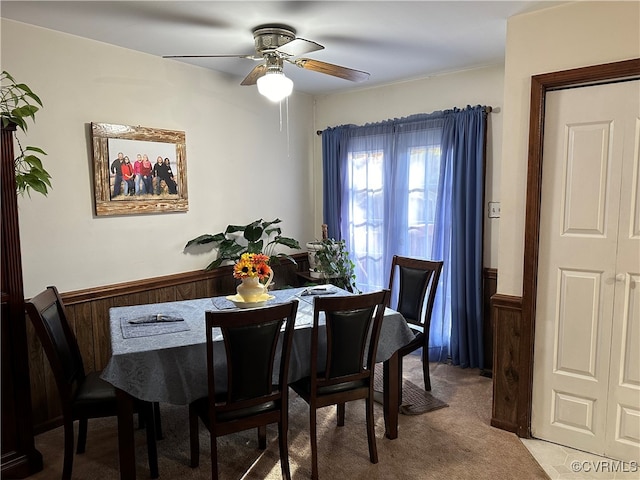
540 85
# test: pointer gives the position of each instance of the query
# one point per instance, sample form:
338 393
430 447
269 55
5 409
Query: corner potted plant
329 260
257 237
18 104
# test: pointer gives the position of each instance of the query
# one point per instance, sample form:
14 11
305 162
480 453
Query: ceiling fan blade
331 69
255 74
250 57
299 46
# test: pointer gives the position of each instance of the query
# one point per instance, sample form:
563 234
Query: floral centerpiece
256 275
252 265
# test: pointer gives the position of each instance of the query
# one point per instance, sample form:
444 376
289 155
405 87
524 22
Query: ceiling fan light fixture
275 85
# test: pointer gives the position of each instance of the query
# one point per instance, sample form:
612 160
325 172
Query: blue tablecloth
170 366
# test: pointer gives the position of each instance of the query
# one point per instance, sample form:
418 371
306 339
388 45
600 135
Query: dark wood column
19 455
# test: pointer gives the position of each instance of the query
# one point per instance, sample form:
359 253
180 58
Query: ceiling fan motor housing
267 39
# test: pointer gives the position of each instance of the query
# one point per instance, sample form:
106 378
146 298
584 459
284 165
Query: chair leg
340 414
400 380
194 438
262 437
425 369
152 449
284 448
371 431
156 417
214 456
68 450
314 444
82 435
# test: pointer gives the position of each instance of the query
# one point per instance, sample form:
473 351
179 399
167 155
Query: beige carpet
449 443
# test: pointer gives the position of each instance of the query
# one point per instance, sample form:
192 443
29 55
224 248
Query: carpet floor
415 400
456 442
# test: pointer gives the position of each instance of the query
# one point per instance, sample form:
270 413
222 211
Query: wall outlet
494 209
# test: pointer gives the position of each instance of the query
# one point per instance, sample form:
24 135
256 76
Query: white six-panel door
586 391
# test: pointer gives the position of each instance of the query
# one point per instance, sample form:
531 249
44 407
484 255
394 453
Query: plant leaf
253 232
33 161
269 231
255 247
288 257
234 228
201 240
288 242
35 149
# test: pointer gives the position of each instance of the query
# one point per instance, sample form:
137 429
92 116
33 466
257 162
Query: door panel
623 435
589 195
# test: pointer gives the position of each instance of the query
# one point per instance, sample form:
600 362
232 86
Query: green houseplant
257 237
18 104
329 259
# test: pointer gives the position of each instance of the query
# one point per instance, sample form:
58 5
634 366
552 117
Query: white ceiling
392 40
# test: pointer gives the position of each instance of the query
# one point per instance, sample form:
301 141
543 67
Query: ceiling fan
274 45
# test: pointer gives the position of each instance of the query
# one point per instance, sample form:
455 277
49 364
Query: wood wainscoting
88 312
489 286
506 313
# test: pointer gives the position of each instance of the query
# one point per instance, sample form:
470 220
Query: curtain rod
487 109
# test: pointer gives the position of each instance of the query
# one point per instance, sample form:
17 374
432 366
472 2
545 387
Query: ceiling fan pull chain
287 112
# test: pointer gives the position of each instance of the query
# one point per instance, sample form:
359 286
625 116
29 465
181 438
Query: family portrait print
134 176
138 169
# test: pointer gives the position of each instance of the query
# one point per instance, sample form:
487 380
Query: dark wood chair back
47 313
352 324
342 370
415 295
82 396
256 342
417 279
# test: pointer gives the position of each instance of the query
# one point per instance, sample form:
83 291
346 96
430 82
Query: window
414 186
407 187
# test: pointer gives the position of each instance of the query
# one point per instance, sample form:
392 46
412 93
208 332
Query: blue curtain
414 186
463 147
333 163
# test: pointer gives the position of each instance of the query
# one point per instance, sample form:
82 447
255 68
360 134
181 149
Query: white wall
482 86
240 166
559 38
234 143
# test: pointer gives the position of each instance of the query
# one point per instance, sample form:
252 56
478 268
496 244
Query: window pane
412 175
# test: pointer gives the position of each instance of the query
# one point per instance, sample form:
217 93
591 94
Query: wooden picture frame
167 182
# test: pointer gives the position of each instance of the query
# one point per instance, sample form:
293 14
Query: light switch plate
494 209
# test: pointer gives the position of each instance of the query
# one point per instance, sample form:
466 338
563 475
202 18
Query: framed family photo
138 170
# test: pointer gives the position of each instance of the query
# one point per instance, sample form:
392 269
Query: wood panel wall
489 285
506 312
88 313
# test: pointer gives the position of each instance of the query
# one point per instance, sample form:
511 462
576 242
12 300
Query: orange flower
252 265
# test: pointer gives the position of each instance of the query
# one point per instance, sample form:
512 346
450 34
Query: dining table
158 354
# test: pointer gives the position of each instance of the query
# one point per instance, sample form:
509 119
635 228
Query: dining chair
414 299
352 324
251 398
82 395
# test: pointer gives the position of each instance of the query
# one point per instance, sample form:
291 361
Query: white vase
251 290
